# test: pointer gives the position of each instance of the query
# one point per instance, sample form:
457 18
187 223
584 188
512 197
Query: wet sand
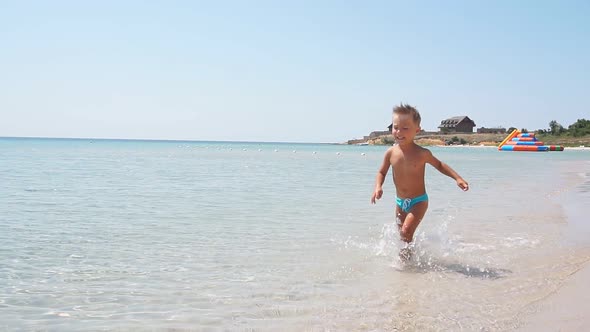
564 310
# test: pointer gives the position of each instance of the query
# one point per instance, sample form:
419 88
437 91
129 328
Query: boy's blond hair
406 109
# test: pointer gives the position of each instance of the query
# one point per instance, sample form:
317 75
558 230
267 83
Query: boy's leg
411 220
399 217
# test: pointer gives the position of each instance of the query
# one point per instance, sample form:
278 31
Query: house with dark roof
457 124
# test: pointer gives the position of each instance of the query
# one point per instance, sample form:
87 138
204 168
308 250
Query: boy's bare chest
407 163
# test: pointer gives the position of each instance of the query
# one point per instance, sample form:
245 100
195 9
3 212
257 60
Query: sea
137 235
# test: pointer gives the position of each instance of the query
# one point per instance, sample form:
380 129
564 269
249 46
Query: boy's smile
404 128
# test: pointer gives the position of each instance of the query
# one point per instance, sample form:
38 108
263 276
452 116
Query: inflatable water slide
517 141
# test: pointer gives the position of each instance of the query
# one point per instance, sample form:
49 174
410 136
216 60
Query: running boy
408 162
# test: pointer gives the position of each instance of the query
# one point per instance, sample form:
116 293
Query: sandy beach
564 310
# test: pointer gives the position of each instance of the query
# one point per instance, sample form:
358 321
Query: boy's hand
462 184
376 195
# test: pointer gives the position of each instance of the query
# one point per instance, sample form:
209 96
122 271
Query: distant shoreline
581 148
424 140
473 139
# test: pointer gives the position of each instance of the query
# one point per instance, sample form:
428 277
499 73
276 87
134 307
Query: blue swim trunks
406 204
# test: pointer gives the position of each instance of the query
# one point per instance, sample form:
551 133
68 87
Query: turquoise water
208 236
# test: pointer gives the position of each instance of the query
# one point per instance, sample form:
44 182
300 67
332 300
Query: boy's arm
380 178
447 170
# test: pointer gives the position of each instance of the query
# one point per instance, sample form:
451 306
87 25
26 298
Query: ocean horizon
128 234
162 140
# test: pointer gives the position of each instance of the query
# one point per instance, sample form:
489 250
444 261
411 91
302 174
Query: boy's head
405 109
406 123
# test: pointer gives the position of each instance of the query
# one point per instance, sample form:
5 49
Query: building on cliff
457 124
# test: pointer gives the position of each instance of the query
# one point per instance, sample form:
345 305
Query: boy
408 162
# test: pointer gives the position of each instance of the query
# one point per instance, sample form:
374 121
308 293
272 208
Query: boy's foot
405 254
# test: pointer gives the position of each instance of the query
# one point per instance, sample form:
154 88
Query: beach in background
128 235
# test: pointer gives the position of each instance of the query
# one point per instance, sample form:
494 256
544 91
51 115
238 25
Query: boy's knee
406 234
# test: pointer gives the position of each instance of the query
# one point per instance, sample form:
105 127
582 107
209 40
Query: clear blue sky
297 71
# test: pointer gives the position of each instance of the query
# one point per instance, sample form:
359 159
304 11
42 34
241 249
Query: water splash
433 250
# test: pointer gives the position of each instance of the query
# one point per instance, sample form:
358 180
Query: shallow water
125 235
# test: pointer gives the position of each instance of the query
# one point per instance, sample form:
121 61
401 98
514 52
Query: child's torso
408 169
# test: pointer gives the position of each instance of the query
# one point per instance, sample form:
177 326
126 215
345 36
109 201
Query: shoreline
483 146
577 148
473 139
563 310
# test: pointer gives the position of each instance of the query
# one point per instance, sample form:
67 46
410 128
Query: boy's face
404 128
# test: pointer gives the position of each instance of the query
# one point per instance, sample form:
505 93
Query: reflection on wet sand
435 265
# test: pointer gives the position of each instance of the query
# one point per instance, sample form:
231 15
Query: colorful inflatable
518 141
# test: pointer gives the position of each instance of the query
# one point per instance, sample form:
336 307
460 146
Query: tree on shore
580 128
555 128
